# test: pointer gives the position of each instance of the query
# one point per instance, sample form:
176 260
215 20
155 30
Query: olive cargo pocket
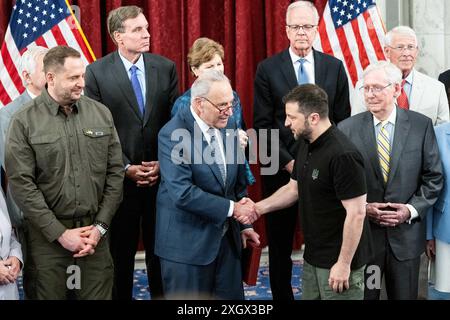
97 141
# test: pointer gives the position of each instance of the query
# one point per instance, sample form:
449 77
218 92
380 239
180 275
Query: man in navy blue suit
202 189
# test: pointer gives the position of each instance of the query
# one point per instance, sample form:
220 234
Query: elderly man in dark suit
139 88
202 180
404 177
275 77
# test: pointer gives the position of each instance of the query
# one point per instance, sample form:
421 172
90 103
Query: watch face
101 229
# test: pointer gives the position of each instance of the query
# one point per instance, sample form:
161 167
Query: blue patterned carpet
259 292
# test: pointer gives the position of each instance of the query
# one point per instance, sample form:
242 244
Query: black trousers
401 277
136 215
280 229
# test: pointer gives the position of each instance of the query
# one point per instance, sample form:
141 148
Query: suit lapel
199 148
288 70
319 70
231 156
151 77
123 82
401 133
370 143
416 92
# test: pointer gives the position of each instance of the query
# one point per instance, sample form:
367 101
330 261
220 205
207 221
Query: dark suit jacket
415 175
192 202
107 81
275 77
444 77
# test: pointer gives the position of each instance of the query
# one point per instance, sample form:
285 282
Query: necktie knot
403 82
212 133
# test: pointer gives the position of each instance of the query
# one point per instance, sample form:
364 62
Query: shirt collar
139 63
390 119
53 105
202 124
322 138
32 96
410 77
309 57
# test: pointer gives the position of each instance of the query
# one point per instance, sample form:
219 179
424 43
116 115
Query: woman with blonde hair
206 54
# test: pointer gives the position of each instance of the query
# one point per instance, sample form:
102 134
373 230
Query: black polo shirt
329 170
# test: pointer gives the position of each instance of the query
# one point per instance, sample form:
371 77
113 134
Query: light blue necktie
302 75
137 89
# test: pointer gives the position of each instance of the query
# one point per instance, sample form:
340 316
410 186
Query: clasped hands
388 214
145 175
9 270
82 241
245 211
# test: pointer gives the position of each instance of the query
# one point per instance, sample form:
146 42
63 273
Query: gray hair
392 72
303 4
400 30
29 58
204 82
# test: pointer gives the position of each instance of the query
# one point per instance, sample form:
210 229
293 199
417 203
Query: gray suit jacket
5 117
6 114
415 178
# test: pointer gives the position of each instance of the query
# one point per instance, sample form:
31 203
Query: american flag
46 23
351 30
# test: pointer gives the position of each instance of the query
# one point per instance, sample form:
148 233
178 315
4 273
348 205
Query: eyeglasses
297 27
402 48
375 89
222 107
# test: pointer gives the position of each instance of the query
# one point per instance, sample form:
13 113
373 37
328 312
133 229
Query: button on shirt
140 72
308 64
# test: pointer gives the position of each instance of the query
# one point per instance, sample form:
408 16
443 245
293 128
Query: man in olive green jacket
65 169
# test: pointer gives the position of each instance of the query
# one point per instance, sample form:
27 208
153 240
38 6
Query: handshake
246 211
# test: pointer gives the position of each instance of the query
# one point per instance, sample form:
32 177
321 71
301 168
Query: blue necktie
302 75
137 89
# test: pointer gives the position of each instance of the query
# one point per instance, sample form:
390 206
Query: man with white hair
275 77
404 177
419 92
31 69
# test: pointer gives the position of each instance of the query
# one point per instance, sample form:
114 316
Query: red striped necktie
402 99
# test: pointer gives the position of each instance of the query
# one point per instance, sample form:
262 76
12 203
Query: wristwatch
101 229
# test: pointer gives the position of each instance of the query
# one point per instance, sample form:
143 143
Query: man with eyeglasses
419 92
202 196
404 178
140 89
275 77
